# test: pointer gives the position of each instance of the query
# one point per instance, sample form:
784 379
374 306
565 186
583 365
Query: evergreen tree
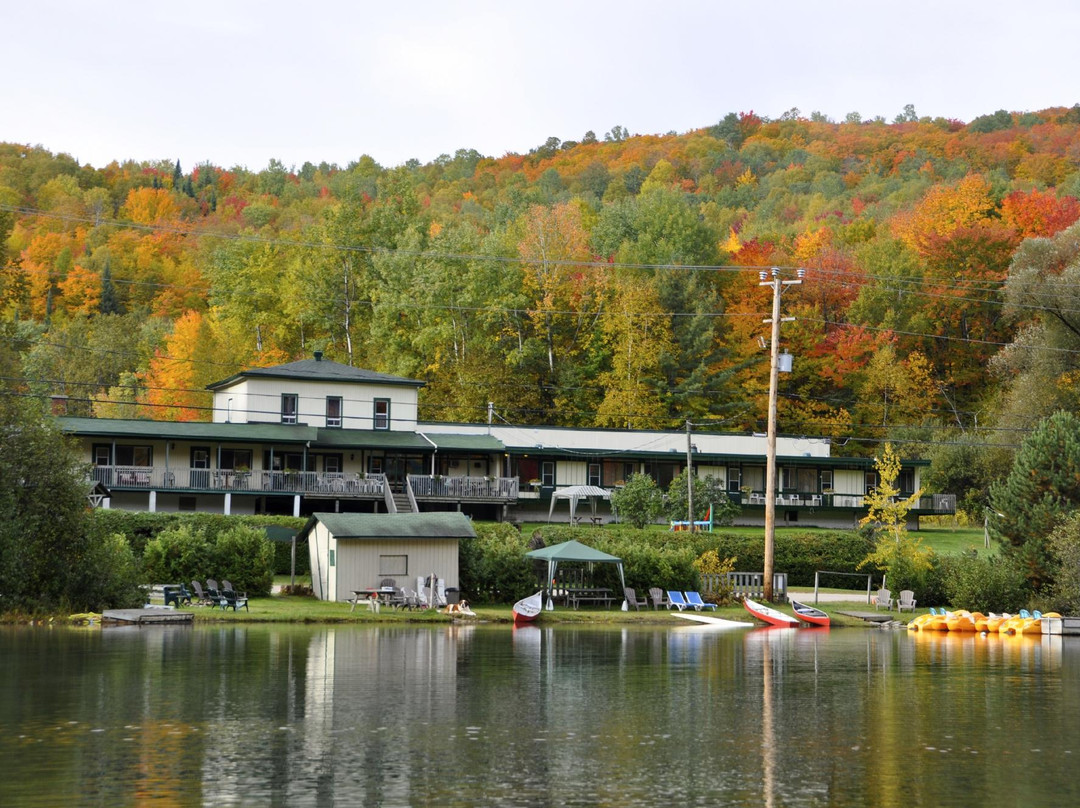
1042 488
177 177
109 303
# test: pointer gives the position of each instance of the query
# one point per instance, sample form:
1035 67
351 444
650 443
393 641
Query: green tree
708 493
902 557
49 559
639 502
1041 489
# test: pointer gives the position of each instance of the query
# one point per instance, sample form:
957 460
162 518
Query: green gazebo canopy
573 551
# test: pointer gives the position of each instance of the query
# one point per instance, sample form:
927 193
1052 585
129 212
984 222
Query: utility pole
689 478
778 286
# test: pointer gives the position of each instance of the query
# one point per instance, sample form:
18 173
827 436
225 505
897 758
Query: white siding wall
719 472
571 472
358 562
848 481
261 399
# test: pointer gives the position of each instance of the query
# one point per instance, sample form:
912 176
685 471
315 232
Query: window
375 465
102 454
288 408
236 459
547 472
734 478
871 481
134 456
826 480
332 464
906 482
594 474
393 565
333 411
382 413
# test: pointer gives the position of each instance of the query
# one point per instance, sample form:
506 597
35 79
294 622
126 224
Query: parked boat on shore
809 614
768 614
527 609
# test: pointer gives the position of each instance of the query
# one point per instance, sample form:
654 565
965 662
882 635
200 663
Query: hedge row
139 528
493 567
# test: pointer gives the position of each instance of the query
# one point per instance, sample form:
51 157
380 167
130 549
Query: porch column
296 505
228 503
152 506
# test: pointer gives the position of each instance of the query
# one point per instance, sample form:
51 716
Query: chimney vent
59 405
318 356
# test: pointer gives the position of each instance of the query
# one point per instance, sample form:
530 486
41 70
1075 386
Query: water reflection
535 716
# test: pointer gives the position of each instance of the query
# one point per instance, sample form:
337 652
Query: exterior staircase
401 501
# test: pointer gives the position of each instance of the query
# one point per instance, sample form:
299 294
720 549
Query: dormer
319 393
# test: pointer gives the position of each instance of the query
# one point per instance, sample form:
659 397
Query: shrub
981 584
242 554
639 502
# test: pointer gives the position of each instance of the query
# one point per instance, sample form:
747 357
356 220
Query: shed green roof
437 525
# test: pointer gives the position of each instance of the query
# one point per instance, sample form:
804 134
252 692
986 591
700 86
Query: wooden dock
144 617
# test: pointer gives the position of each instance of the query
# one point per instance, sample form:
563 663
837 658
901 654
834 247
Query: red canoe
769 614
809 614
526 609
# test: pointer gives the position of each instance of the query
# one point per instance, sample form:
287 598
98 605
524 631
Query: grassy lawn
280 609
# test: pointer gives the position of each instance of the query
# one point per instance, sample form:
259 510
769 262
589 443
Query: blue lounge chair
676 599
694 599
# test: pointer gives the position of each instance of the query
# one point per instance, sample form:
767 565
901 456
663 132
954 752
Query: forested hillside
611 281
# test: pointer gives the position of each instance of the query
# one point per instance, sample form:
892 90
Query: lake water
494 716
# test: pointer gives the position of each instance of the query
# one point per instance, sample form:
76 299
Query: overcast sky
238 82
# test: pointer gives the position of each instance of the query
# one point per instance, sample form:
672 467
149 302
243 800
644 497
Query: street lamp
778 286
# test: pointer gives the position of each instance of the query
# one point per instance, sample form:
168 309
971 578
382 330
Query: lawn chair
694 599
632 599
177 595
200 596
906 601
226 586
656 595
884 598
213 593
706 523
230 599
676 599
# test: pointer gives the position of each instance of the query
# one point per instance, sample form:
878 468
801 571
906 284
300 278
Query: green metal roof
466 443
245 433
438 525
318 370
188 430
371 439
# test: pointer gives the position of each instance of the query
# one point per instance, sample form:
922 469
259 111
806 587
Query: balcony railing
464 488
344 484
931 504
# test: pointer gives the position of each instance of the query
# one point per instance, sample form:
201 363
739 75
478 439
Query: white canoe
713 622
526 609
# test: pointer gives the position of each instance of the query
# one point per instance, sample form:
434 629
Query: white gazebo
576 493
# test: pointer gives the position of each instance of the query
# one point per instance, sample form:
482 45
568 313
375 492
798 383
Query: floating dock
1068 626
143 617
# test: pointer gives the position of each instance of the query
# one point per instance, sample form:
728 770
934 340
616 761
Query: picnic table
373 596
597 594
